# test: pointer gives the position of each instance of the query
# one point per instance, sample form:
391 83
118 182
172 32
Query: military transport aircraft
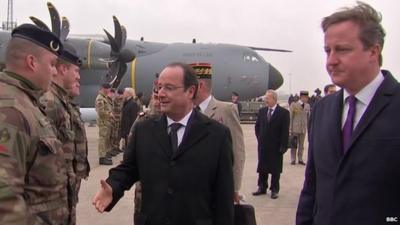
136 63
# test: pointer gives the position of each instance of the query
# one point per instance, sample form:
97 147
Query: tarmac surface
269 211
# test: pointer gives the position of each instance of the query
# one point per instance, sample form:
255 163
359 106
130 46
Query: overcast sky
286 24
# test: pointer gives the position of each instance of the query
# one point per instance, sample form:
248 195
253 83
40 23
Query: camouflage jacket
103 108
57 108
117 107
81 163
32 166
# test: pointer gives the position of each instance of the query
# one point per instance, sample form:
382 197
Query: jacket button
170 191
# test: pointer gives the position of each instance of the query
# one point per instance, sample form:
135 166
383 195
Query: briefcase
292 142
244 215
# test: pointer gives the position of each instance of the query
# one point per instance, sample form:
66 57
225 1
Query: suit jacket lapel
160 133
275 113
380 100
195 131
337 109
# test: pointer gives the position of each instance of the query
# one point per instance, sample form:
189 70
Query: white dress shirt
364 97
182 129
204 104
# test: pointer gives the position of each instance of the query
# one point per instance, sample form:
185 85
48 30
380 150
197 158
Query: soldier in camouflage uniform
80 161
154 106
116 126
58 108
33 175
104 120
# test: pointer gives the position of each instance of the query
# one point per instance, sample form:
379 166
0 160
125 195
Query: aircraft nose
275 79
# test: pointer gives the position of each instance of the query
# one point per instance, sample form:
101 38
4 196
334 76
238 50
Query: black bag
244 215
292 142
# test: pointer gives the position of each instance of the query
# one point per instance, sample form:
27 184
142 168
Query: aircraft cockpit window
250 58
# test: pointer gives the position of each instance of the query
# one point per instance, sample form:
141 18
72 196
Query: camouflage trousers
104 139
58 216
74 203
73 187
115 133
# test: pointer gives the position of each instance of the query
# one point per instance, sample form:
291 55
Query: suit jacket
194 186
362 186
299 117
130 112
227 114
272 139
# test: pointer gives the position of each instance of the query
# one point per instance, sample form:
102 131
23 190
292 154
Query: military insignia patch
4 135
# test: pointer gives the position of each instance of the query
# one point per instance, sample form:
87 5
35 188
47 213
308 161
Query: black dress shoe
274 195
293 163
302 163
105 161
260 192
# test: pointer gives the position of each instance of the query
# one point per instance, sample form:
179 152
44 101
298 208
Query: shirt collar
183 121
273 107
367 93
203 105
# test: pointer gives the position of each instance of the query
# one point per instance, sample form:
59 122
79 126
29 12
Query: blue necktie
348 125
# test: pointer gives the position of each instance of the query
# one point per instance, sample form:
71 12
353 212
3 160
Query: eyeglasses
168 88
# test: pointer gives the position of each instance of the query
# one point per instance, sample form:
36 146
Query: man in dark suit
352 174
186 176
272 132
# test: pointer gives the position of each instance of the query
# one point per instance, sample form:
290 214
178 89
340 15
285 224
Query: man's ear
31 62
375 51
62 68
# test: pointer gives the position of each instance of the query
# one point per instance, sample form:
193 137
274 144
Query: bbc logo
391 219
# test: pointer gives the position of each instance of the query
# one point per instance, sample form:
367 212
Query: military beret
203 70
304 93
43 38
69 54
106 85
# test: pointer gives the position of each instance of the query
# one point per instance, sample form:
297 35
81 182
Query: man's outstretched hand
103 197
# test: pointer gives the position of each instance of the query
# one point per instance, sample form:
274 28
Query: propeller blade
269 49
123 40
122 70
113 43
64 29
112 71
55 19
39 23
117 32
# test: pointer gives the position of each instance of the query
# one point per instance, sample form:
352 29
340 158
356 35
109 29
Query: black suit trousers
263 181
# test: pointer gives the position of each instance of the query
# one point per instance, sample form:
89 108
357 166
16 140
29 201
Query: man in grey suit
225 113
299 114
352 174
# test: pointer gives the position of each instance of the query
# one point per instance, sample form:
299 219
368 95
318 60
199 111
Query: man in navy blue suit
352 174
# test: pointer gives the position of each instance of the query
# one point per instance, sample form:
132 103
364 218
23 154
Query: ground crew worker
33 175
